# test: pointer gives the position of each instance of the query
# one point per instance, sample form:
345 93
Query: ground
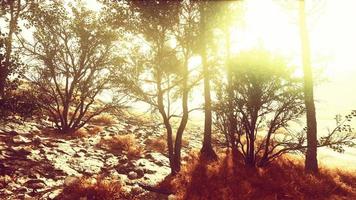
36 162
125 157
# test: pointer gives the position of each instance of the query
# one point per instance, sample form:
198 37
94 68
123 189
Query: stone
69 180
28 197
35 184
171 197
132 175
21 151
19 139
36 140
54 194
22 190
136 190
140 172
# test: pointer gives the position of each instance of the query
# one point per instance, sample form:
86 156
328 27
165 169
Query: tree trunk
8 50
231 119
184 120
207 150
160 104
311 162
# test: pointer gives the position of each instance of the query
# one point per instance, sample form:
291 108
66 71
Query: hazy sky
333 45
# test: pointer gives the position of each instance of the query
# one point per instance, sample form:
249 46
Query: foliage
91 188
266 97
284 179
73 57
122 143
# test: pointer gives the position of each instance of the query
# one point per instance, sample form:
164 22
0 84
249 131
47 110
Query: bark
4 71
231 119
160 104
184 120
311 162
207 150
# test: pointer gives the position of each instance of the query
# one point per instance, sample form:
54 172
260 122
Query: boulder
136 190
132 175
35 184
69 180
140 172
19 139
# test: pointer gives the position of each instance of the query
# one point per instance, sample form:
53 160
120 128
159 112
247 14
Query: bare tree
72 57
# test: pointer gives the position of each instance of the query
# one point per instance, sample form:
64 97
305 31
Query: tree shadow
16 164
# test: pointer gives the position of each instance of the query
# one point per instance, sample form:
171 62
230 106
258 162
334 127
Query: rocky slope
36 163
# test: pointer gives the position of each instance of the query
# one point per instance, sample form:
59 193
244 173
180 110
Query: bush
120 143
157 144
285 179
19 103
91 188
104 120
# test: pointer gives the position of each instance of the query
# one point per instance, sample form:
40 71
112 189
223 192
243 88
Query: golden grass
90 188
82 132
94 130
283 179
157 144
120 143
104 120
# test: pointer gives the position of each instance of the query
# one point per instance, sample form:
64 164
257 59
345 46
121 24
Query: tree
161 75
11 10
72 59
228 13
207 150
311 162
266 96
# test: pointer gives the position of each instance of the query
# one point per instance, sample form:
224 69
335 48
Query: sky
332 34
332 40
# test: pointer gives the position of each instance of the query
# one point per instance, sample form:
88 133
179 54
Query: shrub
91 188
120 143
156 144
285 179
103 119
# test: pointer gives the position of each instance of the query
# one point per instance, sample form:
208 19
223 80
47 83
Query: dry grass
90 189
82 132
120 143
94 130
231 180
104 120
157 144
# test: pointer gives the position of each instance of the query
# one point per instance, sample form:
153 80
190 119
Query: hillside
125 158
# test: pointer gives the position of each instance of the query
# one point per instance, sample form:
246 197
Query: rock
123 160
36 140
12 133
140 172
136 190
18 139
2 169
35 184
132 175
21 151
28 197
70 180
22 190
13 186
171 197
54 193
